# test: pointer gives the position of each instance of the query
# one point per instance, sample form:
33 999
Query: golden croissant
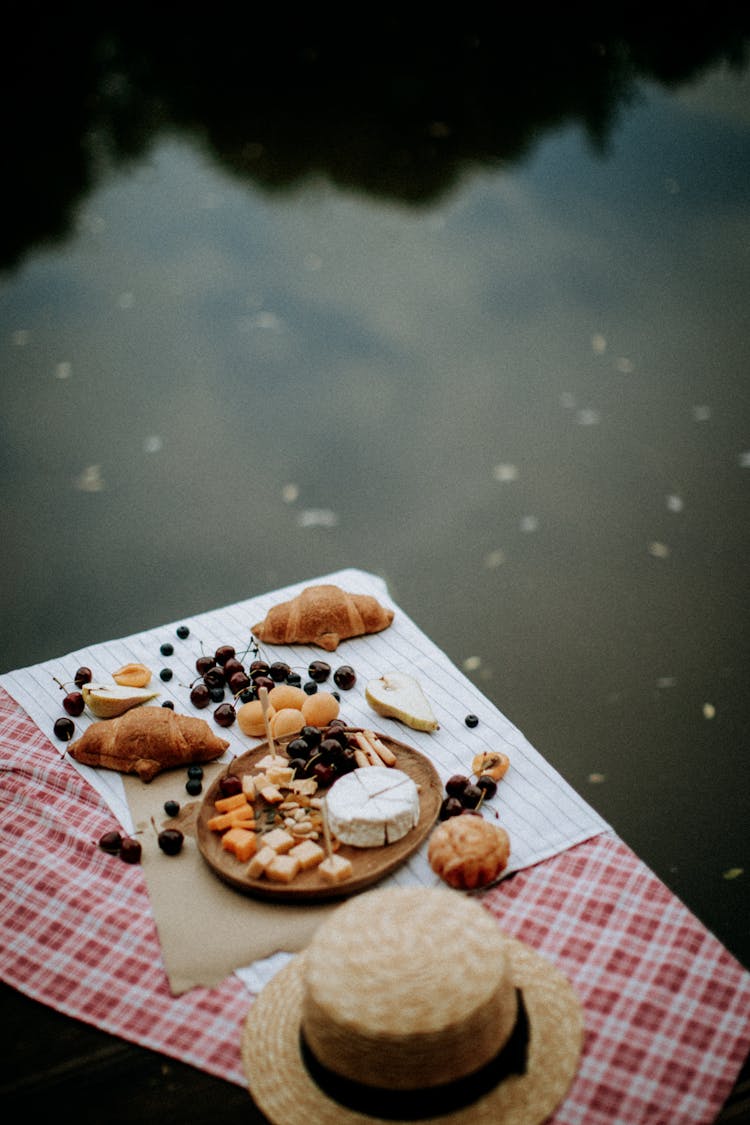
146 741
322 616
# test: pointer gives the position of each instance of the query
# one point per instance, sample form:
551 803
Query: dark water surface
469 312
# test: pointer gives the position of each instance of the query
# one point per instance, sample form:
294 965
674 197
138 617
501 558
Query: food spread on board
321 807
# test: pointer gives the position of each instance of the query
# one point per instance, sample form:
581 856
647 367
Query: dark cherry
200 696
319 671
330 749
487 784
83 676
170 840
225 715
299 748
203 663
471 721
64 729
171 808
311 735
279 671
73 703
130 850
238 681
456 784
451 806
335 734
230 785
214 677
263 682
324 773
224 653
299 765
348 760
471 796
345 677
111 842
233 665
260 667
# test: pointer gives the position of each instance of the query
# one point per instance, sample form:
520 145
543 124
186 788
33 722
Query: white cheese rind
372 806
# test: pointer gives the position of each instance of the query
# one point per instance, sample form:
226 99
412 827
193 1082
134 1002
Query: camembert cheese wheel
372 806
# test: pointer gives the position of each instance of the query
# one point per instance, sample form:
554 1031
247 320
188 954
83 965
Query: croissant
146 741
322 616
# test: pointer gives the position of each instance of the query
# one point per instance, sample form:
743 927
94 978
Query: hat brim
284 1090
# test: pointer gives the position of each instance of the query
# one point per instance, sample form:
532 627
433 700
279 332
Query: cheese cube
308 853
283 868
248 786
280 775
271 795
336 868
260 861
271 760
279 839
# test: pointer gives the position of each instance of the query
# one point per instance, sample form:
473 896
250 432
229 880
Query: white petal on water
471 663
701 413
63 370
734 872
598 343
666 681
21 337
90 480
317 517
675 503
126 300
658 550
290 493
312 262
529 523
709 711
597 778
744 459
268 321
567 400
505 472
588 417
624 365
494 559
152 444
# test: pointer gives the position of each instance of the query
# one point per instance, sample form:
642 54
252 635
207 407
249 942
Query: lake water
494 348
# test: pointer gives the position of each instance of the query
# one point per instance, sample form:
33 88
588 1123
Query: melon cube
241 842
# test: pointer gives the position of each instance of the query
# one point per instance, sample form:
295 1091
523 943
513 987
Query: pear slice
396 695
105 701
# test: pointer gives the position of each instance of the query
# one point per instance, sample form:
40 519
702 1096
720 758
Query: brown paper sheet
206 928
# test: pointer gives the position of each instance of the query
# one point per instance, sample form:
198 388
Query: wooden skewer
326 829
263 695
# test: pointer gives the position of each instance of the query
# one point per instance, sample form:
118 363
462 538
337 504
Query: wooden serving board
369 864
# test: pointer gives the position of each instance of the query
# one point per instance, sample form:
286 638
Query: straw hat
410 1004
